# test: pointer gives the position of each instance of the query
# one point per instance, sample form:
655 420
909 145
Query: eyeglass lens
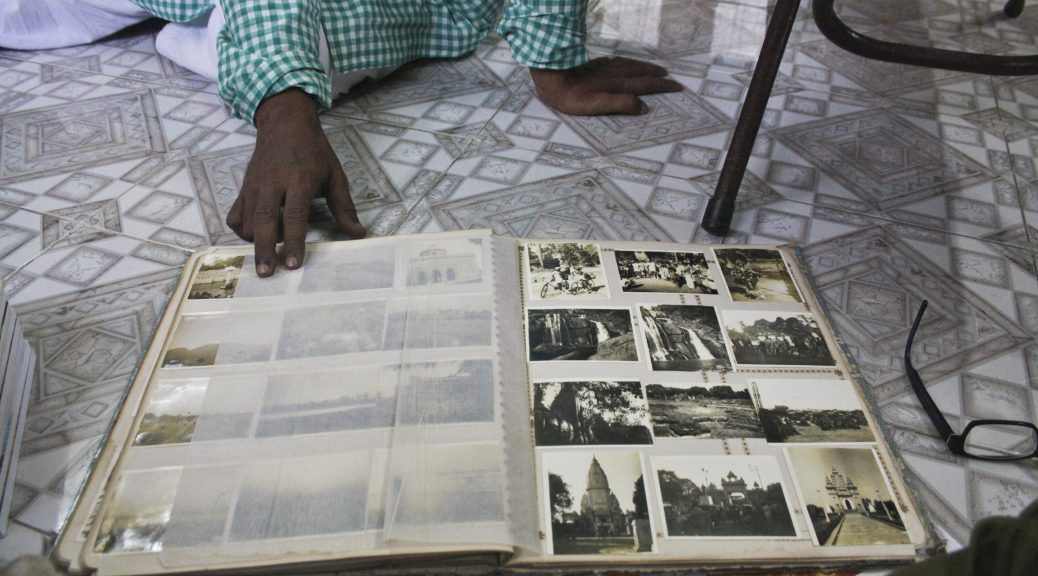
1001 441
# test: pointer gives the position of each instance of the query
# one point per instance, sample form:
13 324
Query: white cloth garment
46 24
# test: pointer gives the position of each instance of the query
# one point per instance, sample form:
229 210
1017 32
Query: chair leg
717 218
1013 8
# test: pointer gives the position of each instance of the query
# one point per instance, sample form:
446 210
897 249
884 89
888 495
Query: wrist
289 105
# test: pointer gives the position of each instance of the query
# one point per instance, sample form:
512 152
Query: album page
690 405
358 408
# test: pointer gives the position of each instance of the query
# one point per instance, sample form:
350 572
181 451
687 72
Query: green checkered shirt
268 46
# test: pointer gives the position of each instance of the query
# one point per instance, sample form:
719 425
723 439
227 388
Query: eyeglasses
982 439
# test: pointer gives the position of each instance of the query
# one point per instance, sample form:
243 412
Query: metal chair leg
717 218
855 42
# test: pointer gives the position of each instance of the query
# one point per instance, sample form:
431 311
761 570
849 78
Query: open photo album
465 399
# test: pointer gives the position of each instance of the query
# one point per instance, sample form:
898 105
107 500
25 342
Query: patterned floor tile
21 540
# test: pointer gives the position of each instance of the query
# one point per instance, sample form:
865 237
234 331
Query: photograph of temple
597 503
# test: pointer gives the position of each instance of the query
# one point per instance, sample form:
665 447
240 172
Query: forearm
267 47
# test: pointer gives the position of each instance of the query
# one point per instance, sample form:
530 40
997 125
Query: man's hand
602 86
292 164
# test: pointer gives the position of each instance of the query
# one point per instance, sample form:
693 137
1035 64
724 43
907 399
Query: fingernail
292 261
262 269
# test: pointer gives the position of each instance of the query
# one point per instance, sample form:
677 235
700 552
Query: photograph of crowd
846 497
217 277
684 337
776 338
757 274
597 503
590 413
800 411
702 411
565 270
602 334
723 496
684 272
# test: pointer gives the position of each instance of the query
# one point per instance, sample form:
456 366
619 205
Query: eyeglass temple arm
938 419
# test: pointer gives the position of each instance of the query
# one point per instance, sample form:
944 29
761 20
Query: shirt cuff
246 80
545 40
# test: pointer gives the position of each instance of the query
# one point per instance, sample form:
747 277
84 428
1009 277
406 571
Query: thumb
340 204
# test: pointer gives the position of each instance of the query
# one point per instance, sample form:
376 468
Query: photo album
465 399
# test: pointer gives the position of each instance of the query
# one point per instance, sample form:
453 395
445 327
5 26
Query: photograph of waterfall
603 334
684 338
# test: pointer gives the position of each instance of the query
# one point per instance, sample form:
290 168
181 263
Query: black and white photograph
776 339
197 410
757 275
438 322
458 484
138 512
565 270
702 411
348 270
684 338
454 392
802 411
444 262
302 496
596 334
723 497
596 502
677 272
331 330
846 497
218 339
326 401
201 506
250 285
590 413
217 277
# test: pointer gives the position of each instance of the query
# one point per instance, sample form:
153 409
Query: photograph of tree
683 272
776 338
796 411
702 411
589 413
684 337
603 334
565 270
136 518
217 277
723 496
846 497
597 502
757 274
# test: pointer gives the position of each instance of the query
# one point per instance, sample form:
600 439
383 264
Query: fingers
235 219
340 204
642 85
265 230
294 218
630 67
611 103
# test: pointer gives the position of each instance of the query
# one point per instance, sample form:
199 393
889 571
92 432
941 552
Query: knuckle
264 214
295 214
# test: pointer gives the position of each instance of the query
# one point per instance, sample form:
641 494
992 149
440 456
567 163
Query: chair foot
1013 8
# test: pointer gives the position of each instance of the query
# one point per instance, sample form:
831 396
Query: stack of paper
17 361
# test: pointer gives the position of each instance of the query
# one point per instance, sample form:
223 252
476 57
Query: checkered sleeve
176 10
546 33
266 47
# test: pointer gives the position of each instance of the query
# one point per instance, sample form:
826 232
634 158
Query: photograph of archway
596 502
598 334
757 275
683 337
723 497
590 413
444 262
846 497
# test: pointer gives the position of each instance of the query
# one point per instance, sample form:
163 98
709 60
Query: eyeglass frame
956 442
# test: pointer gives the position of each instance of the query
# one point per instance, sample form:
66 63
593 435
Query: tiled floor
899 183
